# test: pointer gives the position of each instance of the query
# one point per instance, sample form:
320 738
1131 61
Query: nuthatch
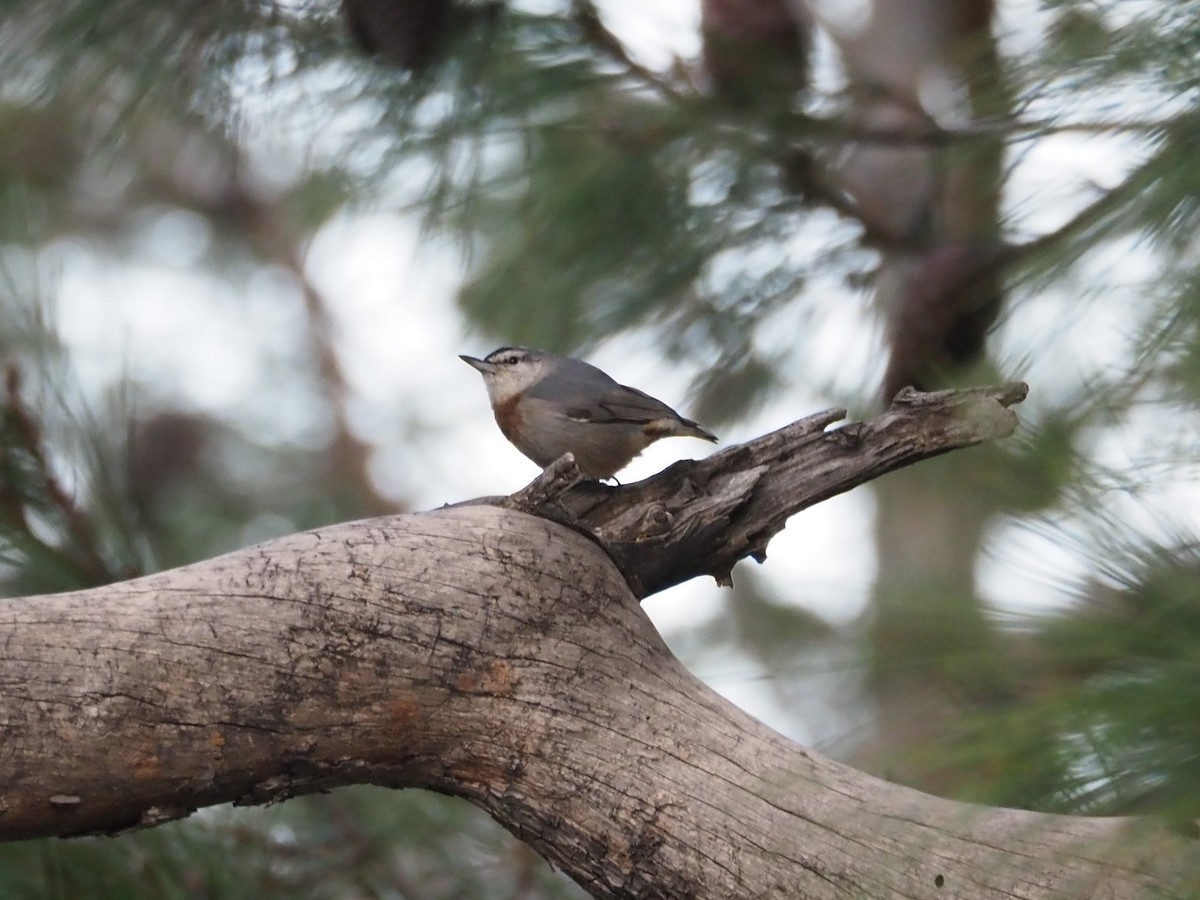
547 405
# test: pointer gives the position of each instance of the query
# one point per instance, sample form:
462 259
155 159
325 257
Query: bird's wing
587 394
630 406
626 404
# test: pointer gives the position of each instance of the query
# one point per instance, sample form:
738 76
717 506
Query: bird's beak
481 365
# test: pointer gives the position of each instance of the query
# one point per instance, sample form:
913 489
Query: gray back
585 392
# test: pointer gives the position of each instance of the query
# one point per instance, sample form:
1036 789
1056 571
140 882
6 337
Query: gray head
510 371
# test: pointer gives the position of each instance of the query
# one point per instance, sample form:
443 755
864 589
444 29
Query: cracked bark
490 653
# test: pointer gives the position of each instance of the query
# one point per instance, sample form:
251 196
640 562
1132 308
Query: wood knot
907 396
654 522
849 436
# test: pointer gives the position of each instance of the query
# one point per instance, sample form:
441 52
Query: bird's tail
691 429
680 427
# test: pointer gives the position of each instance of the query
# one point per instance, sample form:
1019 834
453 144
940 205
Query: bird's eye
511 359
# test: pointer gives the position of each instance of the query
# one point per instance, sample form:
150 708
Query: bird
548 405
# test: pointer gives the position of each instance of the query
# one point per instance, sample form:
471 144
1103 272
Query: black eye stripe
506 359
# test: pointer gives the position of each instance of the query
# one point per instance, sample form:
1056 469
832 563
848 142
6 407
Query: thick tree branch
492 654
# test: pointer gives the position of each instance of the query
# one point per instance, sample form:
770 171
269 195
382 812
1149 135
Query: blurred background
243 242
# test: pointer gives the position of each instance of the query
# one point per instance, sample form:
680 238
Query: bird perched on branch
547 405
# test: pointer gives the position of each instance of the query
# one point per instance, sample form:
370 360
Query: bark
756 51
493 654
414 35
700 518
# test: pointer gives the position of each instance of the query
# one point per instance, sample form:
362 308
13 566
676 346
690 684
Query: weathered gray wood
699 517
495 655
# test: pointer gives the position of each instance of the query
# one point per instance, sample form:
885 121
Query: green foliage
622 249
357 842
1108 725
1137 707
50 540
1153 45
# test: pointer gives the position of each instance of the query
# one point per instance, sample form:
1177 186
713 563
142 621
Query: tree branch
495 655
701 517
